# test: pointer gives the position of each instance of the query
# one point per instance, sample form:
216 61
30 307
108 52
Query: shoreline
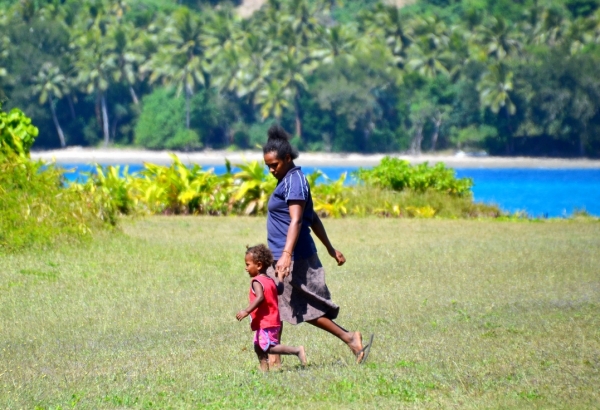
136 156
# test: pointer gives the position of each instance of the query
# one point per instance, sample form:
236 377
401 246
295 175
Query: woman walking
290 218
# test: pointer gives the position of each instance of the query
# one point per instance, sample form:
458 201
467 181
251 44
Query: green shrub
367 200
252 189
16 134
35 208
185 140
330 197
162 117
112 193
398 175
181 189
162 122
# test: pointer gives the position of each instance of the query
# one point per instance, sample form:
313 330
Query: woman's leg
352 339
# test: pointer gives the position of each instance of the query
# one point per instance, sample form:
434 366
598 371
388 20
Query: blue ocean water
538 192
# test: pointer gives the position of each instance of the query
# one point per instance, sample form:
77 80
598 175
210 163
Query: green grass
467 314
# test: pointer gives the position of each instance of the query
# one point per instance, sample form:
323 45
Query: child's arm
260 297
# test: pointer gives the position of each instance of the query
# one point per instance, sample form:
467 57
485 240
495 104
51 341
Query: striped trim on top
302 181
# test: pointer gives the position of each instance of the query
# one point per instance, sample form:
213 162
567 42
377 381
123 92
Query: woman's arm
260 297
282 269
319 230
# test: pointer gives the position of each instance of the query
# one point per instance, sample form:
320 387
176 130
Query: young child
264 309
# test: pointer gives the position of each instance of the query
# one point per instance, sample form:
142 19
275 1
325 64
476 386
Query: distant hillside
250 6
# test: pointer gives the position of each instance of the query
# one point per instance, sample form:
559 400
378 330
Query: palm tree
458 47
273 99
336 42
579 33
223 40
244 68
147 43
419 113
440 114
387 22
428 62
49 83
531 20
433 30
124 55
291 70
181 61
595 22
4 42
221 31
495 88
301 19
4 45
228 68
551 28
94 70
497 40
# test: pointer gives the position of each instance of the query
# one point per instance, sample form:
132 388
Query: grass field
467 314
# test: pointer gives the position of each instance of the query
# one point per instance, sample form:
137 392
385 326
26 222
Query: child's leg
289 350
263 358
275 359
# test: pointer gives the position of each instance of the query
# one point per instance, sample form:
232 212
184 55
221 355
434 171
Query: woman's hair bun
279 141
276 132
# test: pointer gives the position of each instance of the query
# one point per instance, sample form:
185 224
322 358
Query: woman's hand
338 256
282 269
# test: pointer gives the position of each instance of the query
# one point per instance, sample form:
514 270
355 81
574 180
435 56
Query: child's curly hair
260 253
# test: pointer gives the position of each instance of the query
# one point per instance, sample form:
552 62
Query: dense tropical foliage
38 207
507 77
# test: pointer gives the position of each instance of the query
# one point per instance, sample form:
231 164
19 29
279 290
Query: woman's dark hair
260 253
279 142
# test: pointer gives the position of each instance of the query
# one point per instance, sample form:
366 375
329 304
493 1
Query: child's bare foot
302 355
274 361
355 344
264 366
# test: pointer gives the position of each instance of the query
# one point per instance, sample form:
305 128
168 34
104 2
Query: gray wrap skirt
303 295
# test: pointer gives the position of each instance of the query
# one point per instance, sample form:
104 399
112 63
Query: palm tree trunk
187 108
71 106
298 118
97 110
59 130
105 120
367 131
509 142
114 128
436 132
417 140
582 141
134 96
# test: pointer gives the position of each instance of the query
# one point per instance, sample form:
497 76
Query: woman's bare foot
302 355
355 344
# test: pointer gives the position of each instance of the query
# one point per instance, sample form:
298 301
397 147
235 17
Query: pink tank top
267 313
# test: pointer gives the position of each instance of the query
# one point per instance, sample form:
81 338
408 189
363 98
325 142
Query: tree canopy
511 78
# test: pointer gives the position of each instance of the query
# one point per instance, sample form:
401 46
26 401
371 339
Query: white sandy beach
209 157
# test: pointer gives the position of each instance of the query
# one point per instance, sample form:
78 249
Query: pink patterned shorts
267 337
